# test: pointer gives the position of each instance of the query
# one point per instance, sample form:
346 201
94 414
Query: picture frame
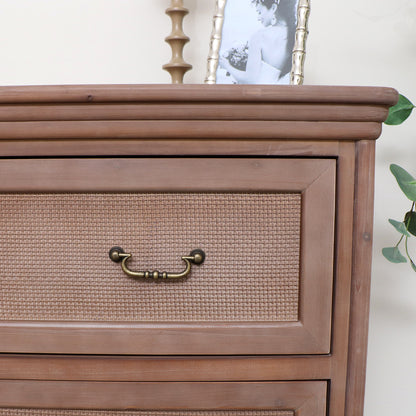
244 49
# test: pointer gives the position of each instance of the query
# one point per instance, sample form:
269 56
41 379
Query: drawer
162 399
266 226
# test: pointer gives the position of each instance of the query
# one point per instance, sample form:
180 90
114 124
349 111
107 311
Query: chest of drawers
274 184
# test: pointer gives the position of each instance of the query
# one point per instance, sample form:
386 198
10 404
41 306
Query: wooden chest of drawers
274 184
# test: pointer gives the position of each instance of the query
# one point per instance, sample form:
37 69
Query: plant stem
401 238
407 251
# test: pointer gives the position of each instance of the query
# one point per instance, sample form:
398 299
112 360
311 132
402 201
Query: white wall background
354 42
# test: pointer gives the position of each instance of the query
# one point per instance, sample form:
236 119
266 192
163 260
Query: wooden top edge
197 93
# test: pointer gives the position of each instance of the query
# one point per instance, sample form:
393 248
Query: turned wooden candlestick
177 67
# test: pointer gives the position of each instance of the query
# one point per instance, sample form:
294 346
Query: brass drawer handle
117 254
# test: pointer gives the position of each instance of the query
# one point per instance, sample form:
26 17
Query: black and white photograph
257 42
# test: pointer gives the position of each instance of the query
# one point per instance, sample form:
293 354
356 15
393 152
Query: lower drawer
63 398
54 412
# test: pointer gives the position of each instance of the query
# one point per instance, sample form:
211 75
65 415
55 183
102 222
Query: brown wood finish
185 111
163 147
311 94
305 398
315 179
361 272
169 175
195 104
342 276
263 122
151 368
201 129
160 339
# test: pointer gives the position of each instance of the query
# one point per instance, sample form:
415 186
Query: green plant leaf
410 222
404 179
400 112
413 265
400 227
393 254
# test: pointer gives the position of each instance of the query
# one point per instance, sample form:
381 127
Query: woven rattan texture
57 267
55 412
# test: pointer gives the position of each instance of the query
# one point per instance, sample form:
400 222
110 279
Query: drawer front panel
265 286
55 412
251 272
306 398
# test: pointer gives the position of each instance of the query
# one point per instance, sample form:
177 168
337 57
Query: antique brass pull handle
117 254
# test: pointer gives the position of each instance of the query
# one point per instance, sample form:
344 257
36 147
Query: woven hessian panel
56 412
57 265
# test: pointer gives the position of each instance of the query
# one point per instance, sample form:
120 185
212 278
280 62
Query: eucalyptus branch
412 263
407 227
401 238
407 183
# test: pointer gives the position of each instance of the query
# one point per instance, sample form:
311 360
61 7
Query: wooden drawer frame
303 398
339 123
313 178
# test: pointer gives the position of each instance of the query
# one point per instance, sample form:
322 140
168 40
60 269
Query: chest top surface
193 111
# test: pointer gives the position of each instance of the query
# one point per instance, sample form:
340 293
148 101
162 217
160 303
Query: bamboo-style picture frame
267 49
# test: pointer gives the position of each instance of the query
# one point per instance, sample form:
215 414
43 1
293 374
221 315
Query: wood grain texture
199 93
305 398
8 411
163 175
361 277
167 147
342 277
195 129
137 112
193 111
229 122
150 368
315 179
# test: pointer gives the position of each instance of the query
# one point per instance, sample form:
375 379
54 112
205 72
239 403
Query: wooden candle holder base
177 67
